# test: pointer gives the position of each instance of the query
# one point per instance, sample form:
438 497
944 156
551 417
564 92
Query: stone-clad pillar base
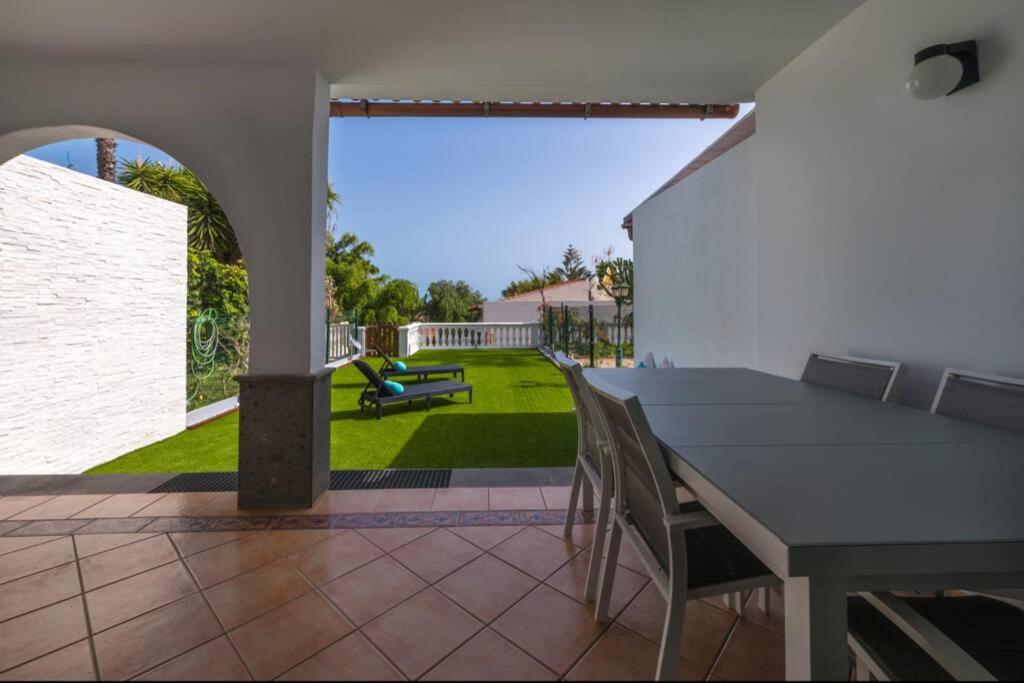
284 439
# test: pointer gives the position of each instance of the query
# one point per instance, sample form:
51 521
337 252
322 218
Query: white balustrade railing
412 338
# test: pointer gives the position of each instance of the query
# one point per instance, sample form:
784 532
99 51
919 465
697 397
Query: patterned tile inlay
54 527
502 518
7 527
412 519
366 520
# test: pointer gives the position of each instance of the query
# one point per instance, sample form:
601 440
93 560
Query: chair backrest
388 363
588 421
644 492
648 361
372 377
991 400
876 379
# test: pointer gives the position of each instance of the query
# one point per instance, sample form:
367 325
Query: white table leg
816 629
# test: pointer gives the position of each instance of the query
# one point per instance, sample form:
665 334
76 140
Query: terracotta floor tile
435 555
254 593
155 637
704 631
485 537
486 587
120 505
582 534
72 663
515 498
94 544
227 561
12 505
214 661
119 563
38 590
620 655
40 632
405 500
128 598
61 507
176 504
461 499
352 658
556 497
35 559
393 539
349 501
226 505
334 557
192 542
50 527
550 627
489 657
278 640
291 540
572 580
752 653
421 632
12 543
629 558
773 621
371 590
537 553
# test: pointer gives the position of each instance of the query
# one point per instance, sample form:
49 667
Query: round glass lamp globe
934 77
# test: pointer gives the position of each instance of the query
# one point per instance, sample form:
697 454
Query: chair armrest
937 644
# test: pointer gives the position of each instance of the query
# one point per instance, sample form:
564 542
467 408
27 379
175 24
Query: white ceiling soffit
715 51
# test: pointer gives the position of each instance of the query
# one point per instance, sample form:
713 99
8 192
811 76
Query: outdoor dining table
838 493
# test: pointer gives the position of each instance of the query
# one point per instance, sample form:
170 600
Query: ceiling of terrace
714 51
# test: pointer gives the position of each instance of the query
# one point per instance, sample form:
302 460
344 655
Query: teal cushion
399 365
394 387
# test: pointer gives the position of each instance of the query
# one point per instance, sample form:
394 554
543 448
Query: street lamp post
620 292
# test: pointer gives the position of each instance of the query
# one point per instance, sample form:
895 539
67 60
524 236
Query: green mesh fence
217 349
590 333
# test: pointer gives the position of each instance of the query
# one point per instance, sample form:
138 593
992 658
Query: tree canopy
572 267
450 302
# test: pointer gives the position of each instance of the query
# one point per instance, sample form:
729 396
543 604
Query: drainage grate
346 480
199 481
341 480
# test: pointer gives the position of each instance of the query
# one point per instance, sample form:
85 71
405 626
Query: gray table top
756 389
840 473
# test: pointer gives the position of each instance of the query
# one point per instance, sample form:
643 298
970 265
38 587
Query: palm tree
106 159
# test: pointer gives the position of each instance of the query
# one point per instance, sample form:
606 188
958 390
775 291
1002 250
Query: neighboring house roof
571 291
743 129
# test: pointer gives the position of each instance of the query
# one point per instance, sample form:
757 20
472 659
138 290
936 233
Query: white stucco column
257 136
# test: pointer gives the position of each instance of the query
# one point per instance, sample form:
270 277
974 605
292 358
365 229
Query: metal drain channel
341 480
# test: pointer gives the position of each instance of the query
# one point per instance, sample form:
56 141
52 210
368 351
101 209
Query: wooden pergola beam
561 110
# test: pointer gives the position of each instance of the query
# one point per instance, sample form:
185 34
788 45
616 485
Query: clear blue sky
471 198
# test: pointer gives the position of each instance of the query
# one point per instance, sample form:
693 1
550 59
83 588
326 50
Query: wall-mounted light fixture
943 69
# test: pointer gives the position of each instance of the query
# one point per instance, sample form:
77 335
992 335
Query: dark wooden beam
369 109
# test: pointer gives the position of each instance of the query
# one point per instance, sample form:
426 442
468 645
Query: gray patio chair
878 379
991 400
377 394
593 469
686 552
928 638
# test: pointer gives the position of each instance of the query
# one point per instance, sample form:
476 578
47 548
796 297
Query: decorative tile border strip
369 520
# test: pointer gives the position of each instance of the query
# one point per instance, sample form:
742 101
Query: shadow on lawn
491 440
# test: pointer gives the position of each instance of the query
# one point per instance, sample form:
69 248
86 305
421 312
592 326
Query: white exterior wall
885 226
92 319
891 227
695 274
510 311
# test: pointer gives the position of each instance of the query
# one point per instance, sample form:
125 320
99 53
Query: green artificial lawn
521 416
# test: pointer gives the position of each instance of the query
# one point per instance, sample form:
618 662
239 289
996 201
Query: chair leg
734 601
861 671
574 492
588 495
597 550
764 599
611 560
671 634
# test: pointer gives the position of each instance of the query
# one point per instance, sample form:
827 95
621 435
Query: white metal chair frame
585 478
897 370
673 584
980 376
